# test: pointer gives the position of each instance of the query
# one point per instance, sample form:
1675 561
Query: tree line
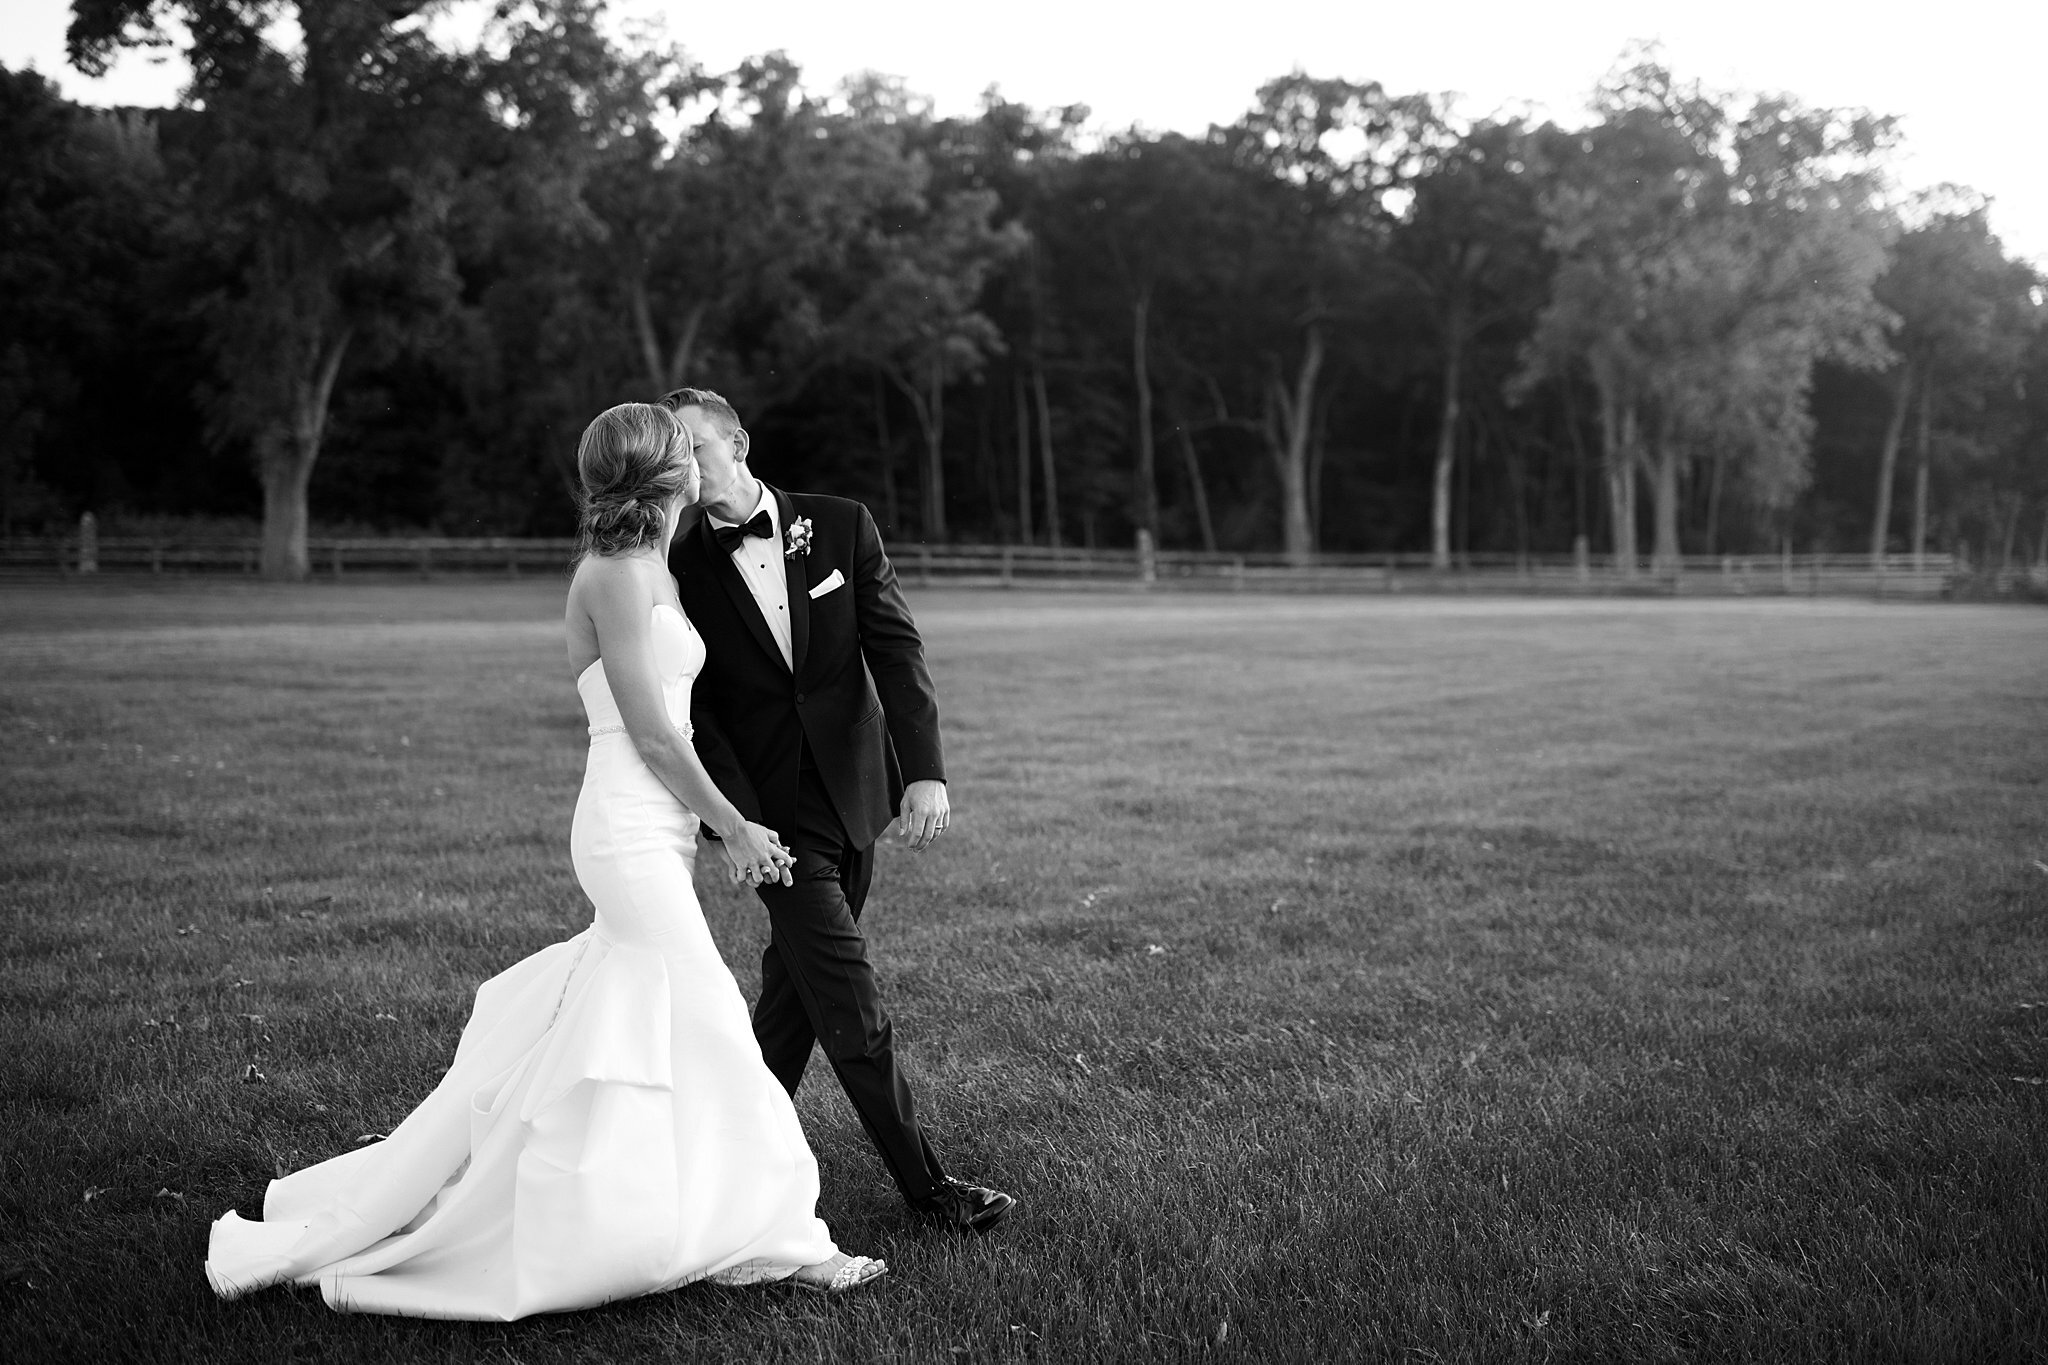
383 279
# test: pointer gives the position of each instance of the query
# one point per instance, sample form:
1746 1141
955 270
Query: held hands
755 855
925 814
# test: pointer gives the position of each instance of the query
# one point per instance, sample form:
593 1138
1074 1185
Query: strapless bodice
678 656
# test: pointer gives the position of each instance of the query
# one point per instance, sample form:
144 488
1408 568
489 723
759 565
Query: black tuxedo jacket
870 729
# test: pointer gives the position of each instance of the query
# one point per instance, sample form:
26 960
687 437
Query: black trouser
817 985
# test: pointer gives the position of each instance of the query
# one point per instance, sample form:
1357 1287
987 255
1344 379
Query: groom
793 595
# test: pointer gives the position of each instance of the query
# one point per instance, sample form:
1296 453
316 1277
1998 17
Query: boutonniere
797 539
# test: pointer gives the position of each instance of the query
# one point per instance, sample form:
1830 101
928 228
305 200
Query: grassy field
1332 979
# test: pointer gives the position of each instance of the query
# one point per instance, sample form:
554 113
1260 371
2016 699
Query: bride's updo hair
632 459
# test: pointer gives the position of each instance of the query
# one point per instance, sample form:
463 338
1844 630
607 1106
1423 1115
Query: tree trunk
1580 519
1713 545
2012 531
935 463
1197 486
286 457
1517 463
1618 469
1147 489
285 478
643 331
888 450
664 374
1446 450
1289 419
1318 448
1665 550
684 353
1461 515
1052 482
987 468
1621 490
1887 466
1926 444
1024 535
929 406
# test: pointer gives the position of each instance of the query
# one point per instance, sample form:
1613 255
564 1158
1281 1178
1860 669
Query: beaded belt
686 730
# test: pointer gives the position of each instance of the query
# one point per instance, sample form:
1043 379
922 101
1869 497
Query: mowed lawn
1331 978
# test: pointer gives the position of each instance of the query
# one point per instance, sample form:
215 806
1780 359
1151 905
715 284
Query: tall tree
83 204
1707 261
1018 153
321 177
731 249
918 319
1330 153
591 167
1472 245
1963 317
1133 221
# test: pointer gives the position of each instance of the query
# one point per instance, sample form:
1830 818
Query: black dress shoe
970 1208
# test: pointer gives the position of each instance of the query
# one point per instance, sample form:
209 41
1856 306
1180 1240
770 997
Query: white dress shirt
760 564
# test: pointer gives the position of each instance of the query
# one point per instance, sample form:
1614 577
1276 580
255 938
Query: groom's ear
742 444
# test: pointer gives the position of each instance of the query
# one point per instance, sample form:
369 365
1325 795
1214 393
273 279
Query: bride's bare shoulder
606 583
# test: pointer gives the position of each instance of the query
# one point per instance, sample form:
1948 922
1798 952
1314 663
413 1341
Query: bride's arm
621 607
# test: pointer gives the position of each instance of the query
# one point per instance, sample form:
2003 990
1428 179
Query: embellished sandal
839 1274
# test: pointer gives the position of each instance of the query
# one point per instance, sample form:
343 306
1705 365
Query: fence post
1006 566
924 564
88 543
1237 573
1582 560
156 556
1785 563
1148 557
426 559
334 558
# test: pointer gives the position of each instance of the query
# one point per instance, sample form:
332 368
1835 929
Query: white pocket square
832 580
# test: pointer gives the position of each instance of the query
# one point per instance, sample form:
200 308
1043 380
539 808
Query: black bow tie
729 537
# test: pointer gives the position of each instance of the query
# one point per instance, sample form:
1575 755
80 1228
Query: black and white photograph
1090 682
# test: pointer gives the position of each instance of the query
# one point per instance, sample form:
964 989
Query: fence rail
1732 575
1041 566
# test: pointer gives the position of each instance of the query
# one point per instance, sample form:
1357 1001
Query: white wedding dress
607 1128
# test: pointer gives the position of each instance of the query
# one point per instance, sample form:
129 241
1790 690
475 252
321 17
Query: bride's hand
756 856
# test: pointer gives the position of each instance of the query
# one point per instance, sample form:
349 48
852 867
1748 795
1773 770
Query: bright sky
1964 75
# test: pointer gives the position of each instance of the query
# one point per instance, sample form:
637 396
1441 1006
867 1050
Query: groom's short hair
714 406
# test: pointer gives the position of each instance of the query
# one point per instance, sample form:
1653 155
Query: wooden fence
1031 566
1704 575
419 556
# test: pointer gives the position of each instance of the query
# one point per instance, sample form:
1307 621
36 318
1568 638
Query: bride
608 1127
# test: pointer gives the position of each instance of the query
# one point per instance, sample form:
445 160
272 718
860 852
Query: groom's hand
925 813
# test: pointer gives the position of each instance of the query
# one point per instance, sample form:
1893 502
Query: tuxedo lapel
799 590
728 576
